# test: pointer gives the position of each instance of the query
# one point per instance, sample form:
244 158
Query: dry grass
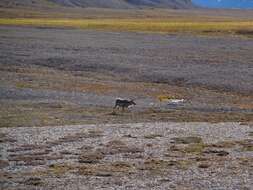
29 114
87 13
107 170
141 25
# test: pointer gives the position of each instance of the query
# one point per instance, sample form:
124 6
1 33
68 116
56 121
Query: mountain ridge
115 4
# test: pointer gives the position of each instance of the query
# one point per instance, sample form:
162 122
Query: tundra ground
68 79
55 76
128 156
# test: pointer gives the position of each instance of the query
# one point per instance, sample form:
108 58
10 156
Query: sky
245 4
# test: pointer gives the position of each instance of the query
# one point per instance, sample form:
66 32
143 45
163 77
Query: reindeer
123 103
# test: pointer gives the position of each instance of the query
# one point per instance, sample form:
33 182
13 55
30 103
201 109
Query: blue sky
225 3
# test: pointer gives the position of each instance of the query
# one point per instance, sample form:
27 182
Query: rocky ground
128 156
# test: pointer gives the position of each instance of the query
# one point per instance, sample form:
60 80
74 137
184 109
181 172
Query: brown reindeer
123 103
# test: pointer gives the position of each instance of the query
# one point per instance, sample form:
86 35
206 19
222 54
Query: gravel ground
128 156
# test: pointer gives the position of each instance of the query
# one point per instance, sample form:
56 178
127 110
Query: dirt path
128 156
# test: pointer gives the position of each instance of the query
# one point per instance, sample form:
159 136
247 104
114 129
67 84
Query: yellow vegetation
140 25
163 98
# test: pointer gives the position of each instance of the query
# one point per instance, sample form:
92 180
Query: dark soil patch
34 181
91 157
30 147
118 147
107 170
186 140
216 152
3 164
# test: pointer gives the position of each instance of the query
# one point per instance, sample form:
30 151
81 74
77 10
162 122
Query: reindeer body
123 103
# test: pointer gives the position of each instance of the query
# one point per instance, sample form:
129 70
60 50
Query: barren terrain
128 156
55 76
59 81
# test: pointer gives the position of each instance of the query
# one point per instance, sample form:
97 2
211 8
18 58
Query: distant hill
116 4
236 4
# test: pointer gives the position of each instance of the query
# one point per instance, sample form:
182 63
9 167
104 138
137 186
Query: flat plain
74 76
60 75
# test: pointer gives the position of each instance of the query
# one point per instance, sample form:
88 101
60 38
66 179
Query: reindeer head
132 102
